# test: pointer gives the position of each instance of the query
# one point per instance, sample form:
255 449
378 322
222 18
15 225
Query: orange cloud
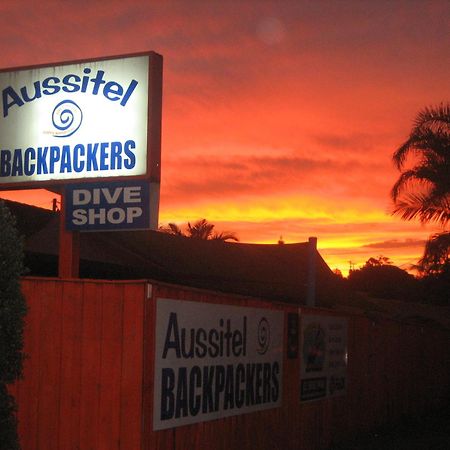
279 118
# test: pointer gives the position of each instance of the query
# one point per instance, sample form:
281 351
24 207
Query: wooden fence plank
29 387
91 337
111 367
132 368
50 296
71 363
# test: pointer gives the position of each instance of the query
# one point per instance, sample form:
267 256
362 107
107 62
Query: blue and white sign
110 206
214 361
75 121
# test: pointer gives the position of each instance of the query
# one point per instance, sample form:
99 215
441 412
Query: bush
12 313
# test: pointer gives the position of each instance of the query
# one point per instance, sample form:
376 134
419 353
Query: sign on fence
323 369
214 361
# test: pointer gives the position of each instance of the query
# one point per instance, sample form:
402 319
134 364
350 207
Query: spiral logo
263 336
66 118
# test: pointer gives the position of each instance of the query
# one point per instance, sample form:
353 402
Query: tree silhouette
378 277
377 262
201 229
423 190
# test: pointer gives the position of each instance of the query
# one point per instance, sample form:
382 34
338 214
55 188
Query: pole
311 283
69 246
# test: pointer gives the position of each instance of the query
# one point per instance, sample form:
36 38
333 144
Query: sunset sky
279 117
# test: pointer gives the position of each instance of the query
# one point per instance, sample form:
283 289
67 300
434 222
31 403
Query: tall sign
214 361
78 122
81 121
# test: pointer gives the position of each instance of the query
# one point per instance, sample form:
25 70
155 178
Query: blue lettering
17 165
131 162
167 394
29 166
42 160
85 82
195 381
15 99
91 163
78 151
68 85
130 90
98 80
66 164
181 406
37 92
50 89
55 156
92 157
103 155
116 157
113 91
5 163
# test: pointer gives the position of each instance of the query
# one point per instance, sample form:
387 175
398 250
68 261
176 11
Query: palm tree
172 228
201 229
423 191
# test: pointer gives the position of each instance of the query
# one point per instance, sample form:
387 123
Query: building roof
277 272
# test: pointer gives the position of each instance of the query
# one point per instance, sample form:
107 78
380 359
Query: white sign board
324 353
75 121
214 361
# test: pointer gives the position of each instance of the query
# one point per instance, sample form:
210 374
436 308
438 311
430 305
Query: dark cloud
396 244
252 175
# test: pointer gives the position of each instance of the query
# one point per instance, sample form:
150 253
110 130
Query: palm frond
436 253
426 144
201 229
224 236
422 178
171 228
421 206
433 116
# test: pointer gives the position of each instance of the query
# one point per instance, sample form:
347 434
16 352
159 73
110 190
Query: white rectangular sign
214 361
75 121
323 370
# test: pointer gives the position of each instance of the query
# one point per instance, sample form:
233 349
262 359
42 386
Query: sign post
69 246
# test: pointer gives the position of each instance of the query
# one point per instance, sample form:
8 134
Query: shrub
12 313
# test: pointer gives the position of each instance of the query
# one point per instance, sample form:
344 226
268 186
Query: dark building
275 272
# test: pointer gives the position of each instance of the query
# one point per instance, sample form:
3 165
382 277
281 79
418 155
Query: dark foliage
8 422
435 288
201 229
12 313
380 279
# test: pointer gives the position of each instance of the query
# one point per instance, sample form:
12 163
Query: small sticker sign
123 205
324 357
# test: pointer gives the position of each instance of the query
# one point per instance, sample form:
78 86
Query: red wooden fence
88 381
